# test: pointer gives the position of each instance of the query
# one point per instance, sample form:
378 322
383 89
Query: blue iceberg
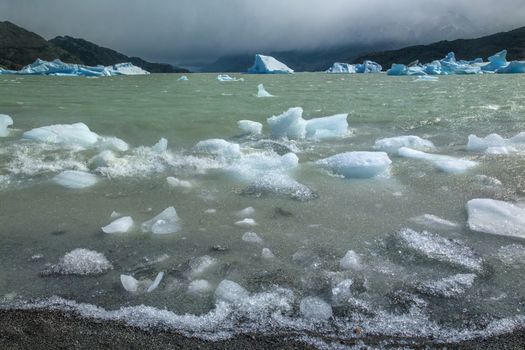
368 67
268 65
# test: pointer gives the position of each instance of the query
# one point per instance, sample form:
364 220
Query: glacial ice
174 182
261 92
183 78
75 179
59 68
126 68
401 69
327 127
446 164
81 262
368 67
226 78
245 213
155 283
497 61
198 287
341 292
315 308
230 292
393 144
219 148
496 217
113 144
496 144
5 122
357 164
250 127
448 287
268 65
166 222
77 134
351 261
344 68
129 283
251 237
513 67
120 225
246 223
266 253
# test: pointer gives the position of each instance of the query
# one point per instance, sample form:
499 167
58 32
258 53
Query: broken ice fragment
166 222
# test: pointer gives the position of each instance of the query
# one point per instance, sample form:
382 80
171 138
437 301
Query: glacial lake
409 275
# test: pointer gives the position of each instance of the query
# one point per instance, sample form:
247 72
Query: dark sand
40 329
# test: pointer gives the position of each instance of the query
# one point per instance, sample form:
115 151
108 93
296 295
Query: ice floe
75 179
448 287
250 127
357 164
268 65
120 225
164 223
393 144
444 163
496 217
261 92
5 122
342 68
81 262
315 308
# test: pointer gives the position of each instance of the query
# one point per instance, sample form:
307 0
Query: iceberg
5 122
121 225
268 65
164 223
226 78
77 134
496 61
344 68
183 78
368 67
248 222
126 68
393 144
82 262
75 179
261 92
250 127
513 67
327 127
446 164
357 164
496 217
401 69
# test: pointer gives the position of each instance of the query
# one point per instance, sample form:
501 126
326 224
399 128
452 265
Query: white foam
121 225
164 223
446 164
81 262
496 217
279 184
315 308
512 255
75 179
357 164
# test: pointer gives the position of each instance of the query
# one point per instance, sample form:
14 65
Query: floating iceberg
344 68
166 222
183 78
393 144
497 61
368 67
81 262
357 164
261 92
401 69
327 127
5 122
126 68
121 225
248 222
250 127
496 217
59 68
226 77
446 164
268 65
496 144
75 179
513 67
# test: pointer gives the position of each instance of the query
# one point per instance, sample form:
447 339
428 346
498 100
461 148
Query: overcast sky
193 31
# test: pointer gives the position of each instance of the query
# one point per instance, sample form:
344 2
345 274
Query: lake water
383 293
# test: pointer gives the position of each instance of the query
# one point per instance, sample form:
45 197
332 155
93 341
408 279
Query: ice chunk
174 182
210 211
81 262
357 164
226 77
126 68
246 212
246 222
496 217
5 122
251 237
268 65
129 283
113 144
315 309
279 184
289 124
446 164
75 179
434 247
121 225
160 146
253 166
230 292
342 68
448 287
114 214
513 67
433 221
327 127
512 255
267 253
250 127
219 148
183 78
368 67
496 144
201 264
156 282
351 261
393 144
199 287
262 92
497 61
341 292
77 134
166 222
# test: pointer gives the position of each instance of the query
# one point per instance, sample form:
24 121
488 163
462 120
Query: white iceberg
121 225
183 78
357 164
314 308
75 179
77 134
5 122
268 65
342 68
164 223
81 262
262 92
393 144
446 164
496 217
248 222
250 127
327 127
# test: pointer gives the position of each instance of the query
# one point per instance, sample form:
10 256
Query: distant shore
41 329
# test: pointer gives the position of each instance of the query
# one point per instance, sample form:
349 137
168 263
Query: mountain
19 47
467 49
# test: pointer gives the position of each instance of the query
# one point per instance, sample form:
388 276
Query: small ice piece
160 146
251 237
183 78
200 265
226 77
129 283
488 181
357 164
267 253
327 127
315 309
77 134
230 292
268 65
448 287
156 282
246 212
250 127
393 144
219 148
446 164
433 221
113 144
121 225
81 262
289 124
351 261
512 255
341 292
166 222
262 92
75 179
199 287
5 122
341 68
496 217
174 182
248 222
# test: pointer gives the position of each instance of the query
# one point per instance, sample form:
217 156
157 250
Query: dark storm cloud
197 30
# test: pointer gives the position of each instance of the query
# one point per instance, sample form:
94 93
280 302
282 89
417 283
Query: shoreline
44 329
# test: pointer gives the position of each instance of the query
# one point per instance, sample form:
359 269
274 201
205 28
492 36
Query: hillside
467 49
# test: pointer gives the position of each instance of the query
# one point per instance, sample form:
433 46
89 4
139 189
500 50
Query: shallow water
42 221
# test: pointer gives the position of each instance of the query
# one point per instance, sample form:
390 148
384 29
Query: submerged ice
357 164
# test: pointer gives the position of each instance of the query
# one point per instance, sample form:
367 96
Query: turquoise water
42 221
